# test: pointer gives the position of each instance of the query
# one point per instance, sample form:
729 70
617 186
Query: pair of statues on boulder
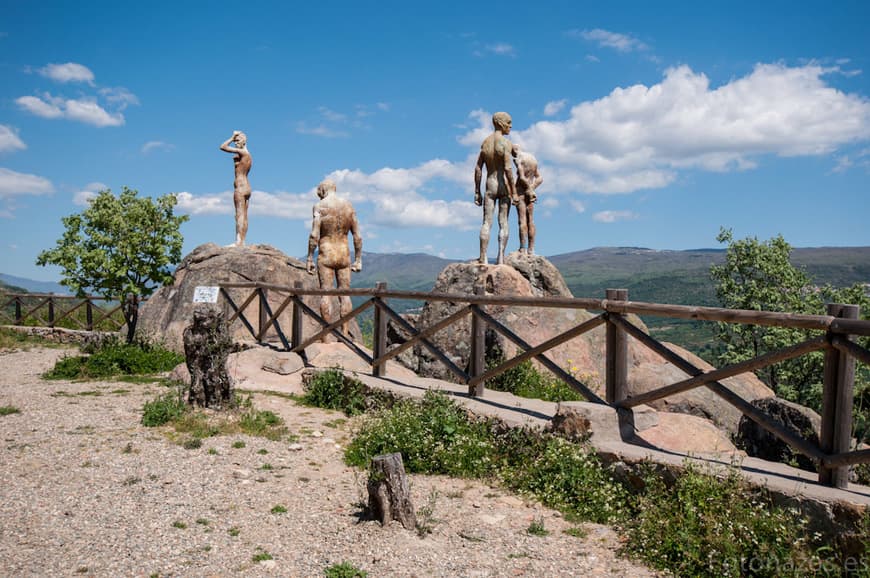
501 191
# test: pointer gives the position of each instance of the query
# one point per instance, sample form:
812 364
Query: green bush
344 570
332 389
434 436
707 526
263 424
166 408
524 380
116 358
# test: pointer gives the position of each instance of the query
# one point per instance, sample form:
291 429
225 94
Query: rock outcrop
799 420
584 356
165 315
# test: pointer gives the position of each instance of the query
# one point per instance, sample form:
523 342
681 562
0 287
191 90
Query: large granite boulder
653 372
797 419
165 315
584 356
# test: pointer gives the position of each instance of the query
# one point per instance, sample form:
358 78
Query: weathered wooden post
51 311
617 353
18 319
379 339
837 398
389 493
296 328
477 361
89 314
263 317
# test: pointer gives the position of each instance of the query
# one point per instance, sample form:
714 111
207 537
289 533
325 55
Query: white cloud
639 137
591 58
9 140
501 49
383 106
84 109
320 130
119 96
577 206
39 107
84 196
613 216
215 204
69 72
331 115
156 145
608 39
13 183
554 107
278 204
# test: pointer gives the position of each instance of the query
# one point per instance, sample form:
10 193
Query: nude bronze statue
495 153
241 186
333 219
528 179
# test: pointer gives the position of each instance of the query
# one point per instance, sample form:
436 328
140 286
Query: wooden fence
835 330
48 310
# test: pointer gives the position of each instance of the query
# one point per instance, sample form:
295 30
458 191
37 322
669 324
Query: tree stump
207 344
389 495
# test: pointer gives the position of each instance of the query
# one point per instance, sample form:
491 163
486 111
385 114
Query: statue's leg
530 215
524 231
488 208
343 277
326 277
504 207
241 203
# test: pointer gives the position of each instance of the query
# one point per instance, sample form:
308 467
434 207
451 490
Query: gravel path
85 490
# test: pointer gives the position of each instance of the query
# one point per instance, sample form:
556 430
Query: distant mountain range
680 277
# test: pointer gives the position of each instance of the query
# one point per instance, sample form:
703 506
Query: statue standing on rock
241 186
528 179
495 153
333 218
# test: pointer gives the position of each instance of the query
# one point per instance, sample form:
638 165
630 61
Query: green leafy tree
758 275
120 247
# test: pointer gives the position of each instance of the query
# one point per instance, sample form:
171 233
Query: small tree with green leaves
758 275
120 247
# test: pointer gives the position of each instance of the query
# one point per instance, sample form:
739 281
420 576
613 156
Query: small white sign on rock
204 294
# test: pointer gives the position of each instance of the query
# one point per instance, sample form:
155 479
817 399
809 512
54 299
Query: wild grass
115 358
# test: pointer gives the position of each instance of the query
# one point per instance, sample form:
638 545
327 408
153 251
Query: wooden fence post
296 329
18 319
477 362
51 312
837 399
617 353
264 316
89 314
379 337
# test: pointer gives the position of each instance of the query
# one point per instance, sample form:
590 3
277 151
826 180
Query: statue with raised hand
241 186
495 153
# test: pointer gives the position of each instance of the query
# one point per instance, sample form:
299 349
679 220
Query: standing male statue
528 179
241 186
495 153
333 219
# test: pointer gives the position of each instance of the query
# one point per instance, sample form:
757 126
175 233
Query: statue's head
502 121
515 149
240 138
324 188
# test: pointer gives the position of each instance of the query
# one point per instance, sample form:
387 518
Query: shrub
344 570
8 409
569 477
332 389
434 436
115 358
166 408
706 526
524 380
264 423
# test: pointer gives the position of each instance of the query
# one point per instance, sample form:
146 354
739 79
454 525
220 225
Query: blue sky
654 123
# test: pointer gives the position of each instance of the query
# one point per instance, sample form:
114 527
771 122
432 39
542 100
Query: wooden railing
835 330
48 310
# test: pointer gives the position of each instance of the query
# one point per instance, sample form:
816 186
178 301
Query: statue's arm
537 179
478 175
507 161
226 146
357 243
313 238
